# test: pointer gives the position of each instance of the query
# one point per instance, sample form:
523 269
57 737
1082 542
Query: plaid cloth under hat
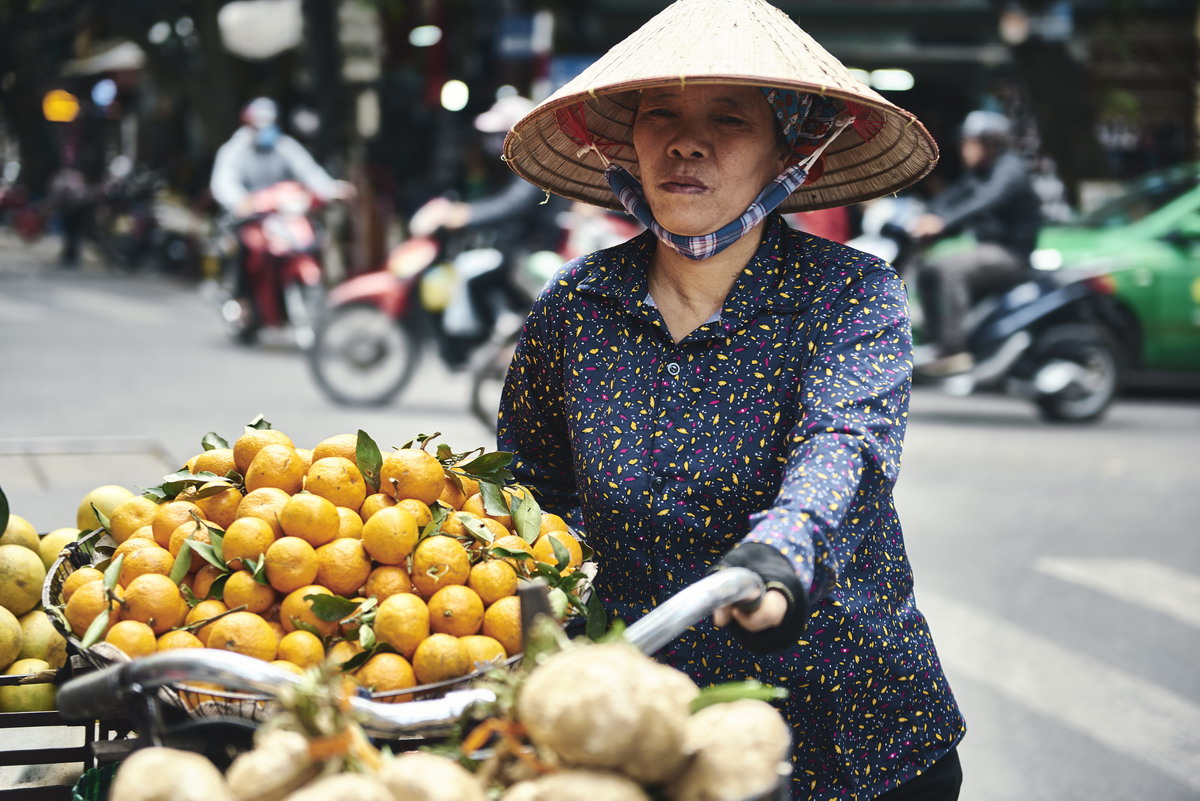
566 143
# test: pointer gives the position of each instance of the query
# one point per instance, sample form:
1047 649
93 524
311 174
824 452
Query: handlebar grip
751 605
95 696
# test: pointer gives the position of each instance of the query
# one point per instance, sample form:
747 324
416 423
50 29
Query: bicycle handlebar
108 692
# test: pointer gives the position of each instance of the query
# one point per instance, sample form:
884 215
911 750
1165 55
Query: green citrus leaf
260 423
182 562
331 608
369 460
597 618
96 630
527 517
212 441
112 573
3 510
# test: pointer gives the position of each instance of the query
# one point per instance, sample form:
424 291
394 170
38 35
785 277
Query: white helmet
989 126
504 114
261 112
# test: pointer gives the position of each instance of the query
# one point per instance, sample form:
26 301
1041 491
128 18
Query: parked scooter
271 273
1046 338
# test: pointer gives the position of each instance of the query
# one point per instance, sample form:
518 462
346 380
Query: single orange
172 515
438 561
244 633
543 550
247 446
242 590
156 601
219 502
133 638
552 522
309 517
412 473
350 525
338 480
296 610
87 603
390 535
133 544
205 610
492 579
191 530
402 622
343 566
373 503
174 640
343 445
202 580
291 563
452 494
131 515
77 579
476 506
456 610
265 504
152 559
277 466
387 580
218 461
483 649
302 648
440 657
502 622
385 673
420 511
306 458
290 667
246 539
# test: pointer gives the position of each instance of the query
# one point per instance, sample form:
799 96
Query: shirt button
673 368
657 482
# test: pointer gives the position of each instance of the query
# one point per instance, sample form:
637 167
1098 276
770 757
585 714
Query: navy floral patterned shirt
780 423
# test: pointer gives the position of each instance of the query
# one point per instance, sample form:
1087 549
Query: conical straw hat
745 42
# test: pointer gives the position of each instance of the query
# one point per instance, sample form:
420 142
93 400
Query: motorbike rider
994 201
519 217
257 156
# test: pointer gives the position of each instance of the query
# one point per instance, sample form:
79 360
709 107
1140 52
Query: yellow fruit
41 640
246 539
492 580
133 544
174 640
455 610
390 535
77 579
350 525
402 622
242 590
218 461
151 559
513 543
21 577
88 603
306 458
156 601
385 673
502 622
438 561
265 504
134 638
203 579
295 610
420 511
373 503
387 580
220 507
412 473
130 516
475 506
470 486
495 528
247 446
291 563
311 518
552 522
452 494
11 637
543 549
343 445
302 648
338 480
290 667
244 633
27 697
342 652
440 657
277 466
343 566
52 544
205 610
481 648
19 531
172 515
191 530
106 498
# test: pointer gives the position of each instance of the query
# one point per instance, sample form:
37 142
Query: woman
723 390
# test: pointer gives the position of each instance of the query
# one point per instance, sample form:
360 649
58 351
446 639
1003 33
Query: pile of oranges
396 572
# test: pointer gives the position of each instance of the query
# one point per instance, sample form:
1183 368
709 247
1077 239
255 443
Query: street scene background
1057 564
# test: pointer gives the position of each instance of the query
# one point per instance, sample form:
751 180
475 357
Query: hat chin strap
703 246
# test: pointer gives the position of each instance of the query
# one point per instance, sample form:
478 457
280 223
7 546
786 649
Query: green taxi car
1143 251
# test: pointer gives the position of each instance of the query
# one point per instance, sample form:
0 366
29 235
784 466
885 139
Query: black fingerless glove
777 574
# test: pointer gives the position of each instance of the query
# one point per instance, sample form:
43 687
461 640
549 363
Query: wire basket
201 701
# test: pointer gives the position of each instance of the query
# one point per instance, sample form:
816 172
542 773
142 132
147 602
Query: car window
1143 198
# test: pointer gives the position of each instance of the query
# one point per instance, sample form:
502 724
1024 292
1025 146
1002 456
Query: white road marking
1129 715
1142 582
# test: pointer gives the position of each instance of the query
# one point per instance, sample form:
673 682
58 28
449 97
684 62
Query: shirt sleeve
844 452
225 184
532 422
1007 180
305 168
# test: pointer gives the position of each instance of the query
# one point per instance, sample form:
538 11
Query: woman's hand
770 613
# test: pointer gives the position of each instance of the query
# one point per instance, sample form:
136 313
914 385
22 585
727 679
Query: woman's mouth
682 185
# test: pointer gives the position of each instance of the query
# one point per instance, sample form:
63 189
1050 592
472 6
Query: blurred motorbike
271 274
1045 337
16 207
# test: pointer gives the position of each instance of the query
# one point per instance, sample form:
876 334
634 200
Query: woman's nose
686 143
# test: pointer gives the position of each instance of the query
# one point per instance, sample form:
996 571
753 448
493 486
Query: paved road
1059 567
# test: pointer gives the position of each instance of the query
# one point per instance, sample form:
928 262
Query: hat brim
711 42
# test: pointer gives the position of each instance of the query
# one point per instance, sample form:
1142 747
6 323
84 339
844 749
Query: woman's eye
657 112
730 120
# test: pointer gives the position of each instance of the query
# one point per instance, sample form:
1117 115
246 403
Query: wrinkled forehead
733 96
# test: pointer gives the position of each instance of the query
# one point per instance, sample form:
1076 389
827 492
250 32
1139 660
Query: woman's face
704 153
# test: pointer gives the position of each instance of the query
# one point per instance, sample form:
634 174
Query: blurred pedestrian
996 203
723 390
73 198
